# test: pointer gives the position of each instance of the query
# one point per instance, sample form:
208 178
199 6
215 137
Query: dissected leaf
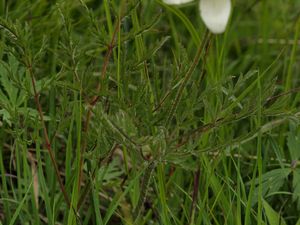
296 186
293 142
112 171
272 181
274 218
151 52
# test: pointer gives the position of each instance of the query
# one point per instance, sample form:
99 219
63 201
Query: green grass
131 112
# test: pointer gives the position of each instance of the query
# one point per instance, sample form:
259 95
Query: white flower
214 13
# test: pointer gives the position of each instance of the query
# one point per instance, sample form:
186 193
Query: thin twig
46 136
195 195
94 101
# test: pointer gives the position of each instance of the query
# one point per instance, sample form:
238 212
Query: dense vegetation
131 112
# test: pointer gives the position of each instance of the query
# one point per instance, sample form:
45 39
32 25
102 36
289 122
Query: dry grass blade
33 165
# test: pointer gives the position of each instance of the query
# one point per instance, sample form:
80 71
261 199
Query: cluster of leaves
138 136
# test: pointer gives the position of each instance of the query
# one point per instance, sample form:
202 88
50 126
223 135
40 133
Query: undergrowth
131 112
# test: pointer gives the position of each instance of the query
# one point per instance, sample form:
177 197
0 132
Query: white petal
176 2
215 14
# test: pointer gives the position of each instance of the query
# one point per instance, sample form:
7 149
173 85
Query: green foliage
272 215
129 112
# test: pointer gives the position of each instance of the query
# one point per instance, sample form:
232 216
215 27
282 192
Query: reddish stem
46 136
